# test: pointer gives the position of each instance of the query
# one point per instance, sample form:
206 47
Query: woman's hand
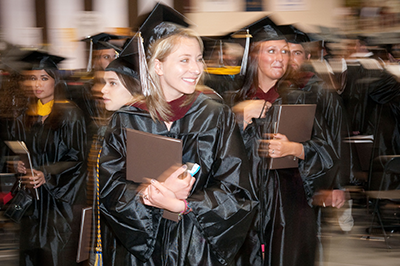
330 198
338 198
34 181
16 167
180 182
279 146
250 109
157 195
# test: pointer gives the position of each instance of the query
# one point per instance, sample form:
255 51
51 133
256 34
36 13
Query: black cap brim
41 60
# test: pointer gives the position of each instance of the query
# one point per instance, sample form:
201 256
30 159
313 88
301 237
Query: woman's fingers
38 178
180 172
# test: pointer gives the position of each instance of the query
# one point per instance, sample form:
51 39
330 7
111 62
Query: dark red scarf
271 95
176 106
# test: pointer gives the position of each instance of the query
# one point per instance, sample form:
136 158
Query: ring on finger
273 151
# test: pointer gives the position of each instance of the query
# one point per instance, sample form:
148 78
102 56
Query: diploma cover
151 156
20 149
84 235
295 121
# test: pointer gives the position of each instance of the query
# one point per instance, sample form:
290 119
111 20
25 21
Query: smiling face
180 72
273 60
115 95
297 55
41 84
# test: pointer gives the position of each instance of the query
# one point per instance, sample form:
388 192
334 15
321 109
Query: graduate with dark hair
56 138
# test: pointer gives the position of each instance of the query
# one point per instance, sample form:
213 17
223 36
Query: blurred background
58 26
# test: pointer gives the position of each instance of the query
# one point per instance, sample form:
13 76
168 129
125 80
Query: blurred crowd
63 116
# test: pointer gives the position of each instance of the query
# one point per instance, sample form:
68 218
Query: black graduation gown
325 165
286 220
384 124
49 234
224 85
222 202
372 100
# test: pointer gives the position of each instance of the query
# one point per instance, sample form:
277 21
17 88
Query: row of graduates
37 110
234 211
365 74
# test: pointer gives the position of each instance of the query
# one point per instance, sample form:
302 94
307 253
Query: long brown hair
161 49
132 85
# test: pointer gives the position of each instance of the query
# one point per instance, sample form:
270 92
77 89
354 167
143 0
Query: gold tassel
99 258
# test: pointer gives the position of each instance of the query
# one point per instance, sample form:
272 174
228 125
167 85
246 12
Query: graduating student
371 96
56 138
100 53
216 208
286 222
304 86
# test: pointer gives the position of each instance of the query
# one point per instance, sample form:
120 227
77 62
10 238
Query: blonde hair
161 49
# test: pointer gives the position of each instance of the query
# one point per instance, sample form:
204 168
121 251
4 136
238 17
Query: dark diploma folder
85 233
20 149
151 156
296 122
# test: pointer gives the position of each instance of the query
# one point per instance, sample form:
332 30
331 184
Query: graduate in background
286 222
56 139
328 188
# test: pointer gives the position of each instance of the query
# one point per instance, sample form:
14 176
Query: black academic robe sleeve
322 166
60 154
134 224
223 205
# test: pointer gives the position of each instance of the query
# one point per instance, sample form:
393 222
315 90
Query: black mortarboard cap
128 62
117 48
97 43
98 40
293 34
41 60
161 22
132 62
126 65
263 29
